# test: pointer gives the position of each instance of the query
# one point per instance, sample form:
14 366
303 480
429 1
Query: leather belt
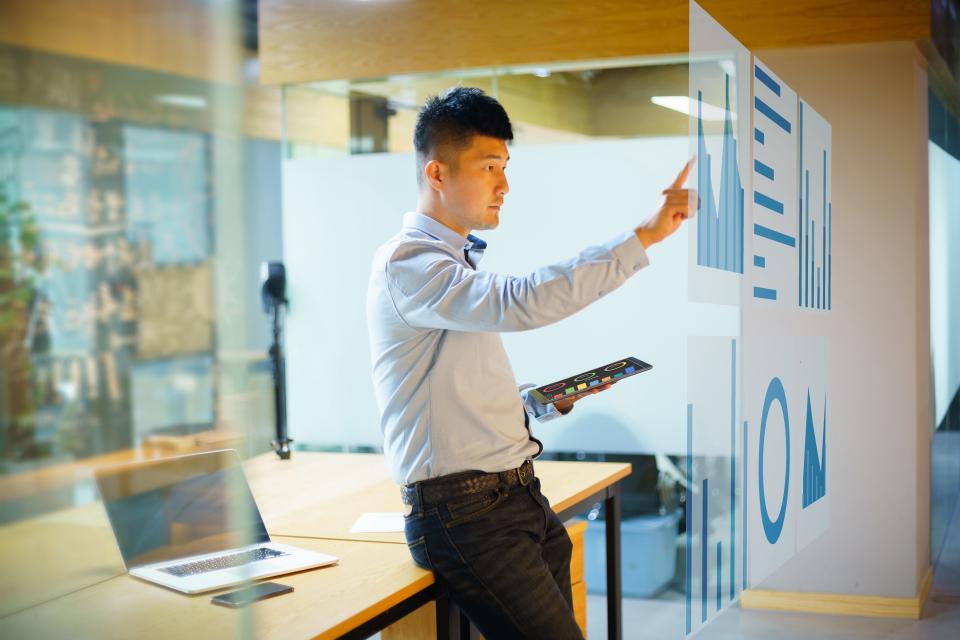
445 488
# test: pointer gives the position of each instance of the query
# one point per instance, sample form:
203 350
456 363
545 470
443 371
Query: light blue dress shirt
446 391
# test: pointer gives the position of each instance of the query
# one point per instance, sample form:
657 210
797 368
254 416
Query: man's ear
435 174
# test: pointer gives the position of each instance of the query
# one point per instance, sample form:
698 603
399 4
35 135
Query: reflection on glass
120 337
180 507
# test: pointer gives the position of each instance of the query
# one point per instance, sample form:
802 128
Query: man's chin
492 222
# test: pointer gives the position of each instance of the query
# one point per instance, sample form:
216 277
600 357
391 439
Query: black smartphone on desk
247 595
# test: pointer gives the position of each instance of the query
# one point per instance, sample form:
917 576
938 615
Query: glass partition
135 208
592 151
728 432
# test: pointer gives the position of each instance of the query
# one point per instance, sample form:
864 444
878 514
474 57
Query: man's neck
442 218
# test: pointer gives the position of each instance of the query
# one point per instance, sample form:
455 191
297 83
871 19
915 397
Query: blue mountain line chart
814 466
788 212
720 223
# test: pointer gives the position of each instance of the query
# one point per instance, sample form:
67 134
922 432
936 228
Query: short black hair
448 121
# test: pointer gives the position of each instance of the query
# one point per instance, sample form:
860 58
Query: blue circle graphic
773 528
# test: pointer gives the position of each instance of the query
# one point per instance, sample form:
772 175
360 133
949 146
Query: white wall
874 96
944 276
563 198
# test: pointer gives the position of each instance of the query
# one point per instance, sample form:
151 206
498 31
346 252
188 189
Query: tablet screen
584 383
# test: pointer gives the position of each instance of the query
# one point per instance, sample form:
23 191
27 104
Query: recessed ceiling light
186 102
686 106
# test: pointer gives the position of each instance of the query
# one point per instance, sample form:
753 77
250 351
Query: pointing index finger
682 177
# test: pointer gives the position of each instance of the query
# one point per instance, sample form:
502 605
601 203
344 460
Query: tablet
584 383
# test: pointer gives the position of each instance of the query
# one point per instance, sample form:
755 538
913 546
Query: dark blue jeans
502 556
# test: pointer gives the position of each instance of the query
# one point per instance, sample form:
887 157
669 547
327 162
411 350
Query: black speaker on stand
273 295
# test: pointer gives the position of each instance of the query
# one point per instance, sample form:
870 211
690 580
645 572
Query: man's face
477 183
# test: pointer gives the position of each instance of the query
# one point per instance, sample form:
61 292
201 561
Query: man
455 425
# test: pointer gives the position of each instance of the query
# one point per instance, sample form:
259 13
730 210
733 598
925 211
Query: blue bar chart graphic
711 553
815 224
719 223
774 188
814 465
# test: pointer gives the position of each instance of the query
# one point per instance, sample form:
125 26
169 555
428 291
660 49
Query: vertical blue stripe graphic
703 513
704 539
743 510
758 135
764 170
813 259
800 216
823 259
806 244
733 472
759 261
719 574
769 82
689 568
816 268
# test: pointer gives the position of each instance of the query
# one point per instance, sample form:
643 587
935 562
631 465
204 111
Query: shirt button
636 267
602 293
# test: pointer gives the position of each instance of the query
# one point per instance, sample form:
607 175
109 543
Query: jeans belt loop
526 467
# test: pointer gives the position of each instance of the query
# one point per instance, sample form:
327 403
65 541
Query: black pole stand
282 444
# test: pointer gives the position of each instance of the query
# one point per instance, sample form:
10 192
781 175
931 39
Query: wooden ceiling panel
310 40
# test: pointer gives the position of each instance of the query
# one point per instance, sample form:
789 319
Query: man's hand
672 213
566 405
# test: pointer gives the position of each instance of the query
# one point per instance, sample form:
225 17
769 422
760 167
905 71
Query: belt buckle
525 473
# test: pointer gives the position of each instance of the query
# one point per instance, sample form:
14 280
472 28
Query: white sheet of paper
378 523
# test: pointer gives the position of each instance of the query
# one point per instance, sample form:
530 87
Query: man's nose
504 187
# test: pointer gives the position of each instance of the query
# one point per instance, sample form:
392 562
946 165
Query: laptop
190 523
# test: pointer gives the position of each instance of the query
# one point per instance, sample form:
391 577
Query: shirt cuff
542 412
629 252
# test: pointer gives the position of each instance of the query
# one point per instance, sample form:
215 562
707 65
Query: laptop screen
176 507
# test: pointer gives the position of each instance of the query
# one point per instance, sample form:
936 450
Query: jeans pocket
418 550
470 507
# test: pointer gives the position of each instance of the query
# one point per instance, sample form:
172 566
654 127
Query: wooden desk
49 556
353 484
360 483
369 580
315 497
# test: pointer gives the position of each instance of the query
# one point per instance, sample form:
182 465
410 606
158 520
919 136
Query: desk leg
445 617
614 612
452 623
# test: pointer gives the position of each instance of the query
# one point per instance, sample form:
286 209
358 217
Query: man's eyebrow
495 156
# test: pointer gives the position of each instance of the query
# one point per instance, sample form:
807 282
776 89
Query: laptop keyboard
222 562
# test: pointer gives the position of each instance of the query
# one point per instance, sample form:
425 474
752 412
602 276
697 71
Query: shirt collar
440 231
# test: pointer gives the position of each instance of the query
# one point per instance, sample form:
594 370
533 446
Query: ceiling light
686 106
186 102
